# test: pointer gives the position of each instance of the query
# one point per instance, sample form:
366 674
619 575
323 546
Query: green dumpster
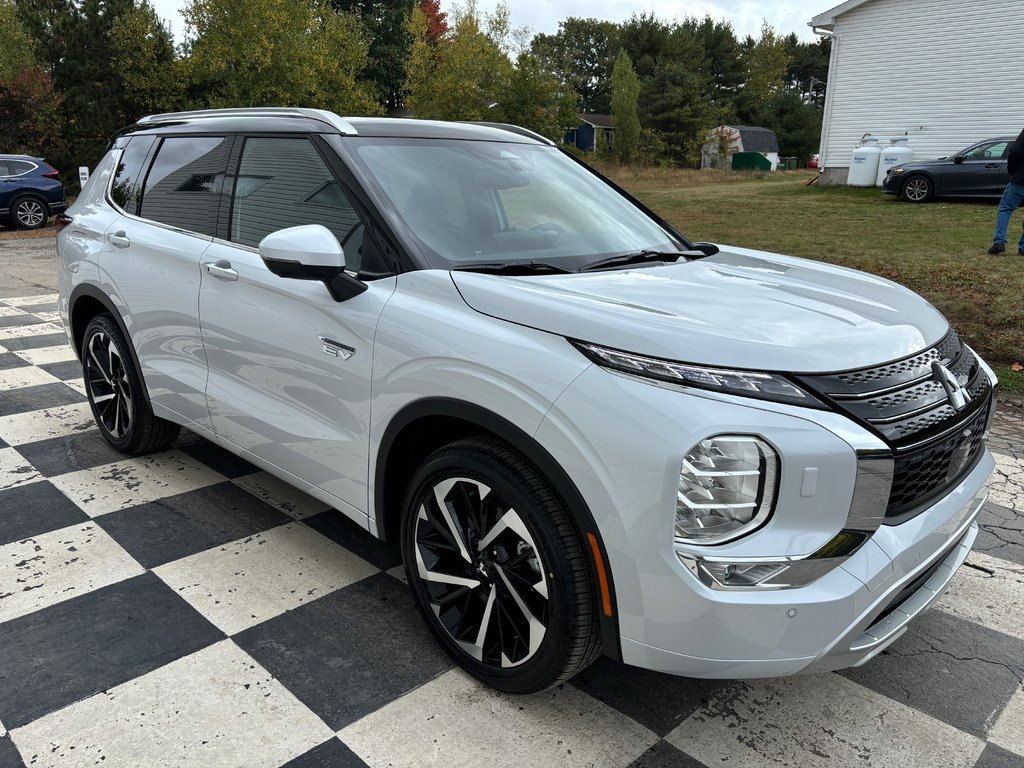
750 161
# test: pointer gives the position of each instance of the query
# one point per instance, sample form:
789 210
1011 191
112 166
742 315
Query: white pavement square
1008 731
988 591
15 471
46 423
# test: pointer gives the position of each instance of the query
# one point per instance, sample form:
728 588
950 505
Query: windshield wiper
514 268
640 257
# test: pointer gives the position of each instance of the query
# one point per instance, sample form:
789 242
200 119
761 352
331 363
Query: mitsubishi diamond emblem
957 392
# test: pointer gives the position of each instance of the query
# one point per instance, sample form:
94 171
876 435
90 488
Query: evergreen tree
386 25
152 78
625 90
581 55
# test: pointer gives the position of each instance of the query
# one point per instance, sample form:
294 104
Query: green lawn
937 249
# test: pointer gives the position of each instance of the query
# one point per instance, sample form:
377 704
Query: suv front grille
934 443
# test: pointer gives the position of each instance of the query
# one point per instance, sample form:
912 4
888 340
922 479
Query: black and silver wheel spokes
107 379
483 572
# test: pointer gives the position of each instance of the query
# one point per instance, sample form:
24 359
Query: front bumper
891 184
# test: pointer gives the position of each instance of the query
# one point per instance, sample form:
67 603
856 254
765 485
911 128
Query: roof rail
514 129
322 115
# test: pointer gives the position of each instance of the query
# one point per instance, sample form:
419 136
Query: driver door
289 367
979 172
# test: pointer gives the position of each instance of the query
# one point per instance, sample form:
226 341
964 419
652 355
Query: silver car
586 433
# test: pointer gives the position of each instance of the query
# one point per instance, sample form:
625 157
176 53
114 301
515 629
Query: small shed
584 135
726 140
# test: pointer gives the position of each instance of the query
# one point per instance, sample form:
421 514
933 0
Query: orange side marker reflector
602 577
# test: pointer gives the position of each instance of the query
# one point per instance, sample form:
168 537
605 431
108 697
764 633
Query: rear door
289 367
152 256
978 174
8 185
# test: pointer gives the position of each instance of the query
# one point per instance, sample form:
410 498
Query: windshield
482 202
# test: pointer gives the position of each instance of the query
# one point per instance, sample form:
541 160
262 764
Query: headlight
726 489
764 386
897 171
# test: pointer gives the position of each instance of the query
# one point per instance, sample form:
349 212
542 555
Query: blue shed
584 135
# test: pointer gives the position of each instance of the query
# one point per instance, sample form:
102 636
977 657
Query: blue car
30 191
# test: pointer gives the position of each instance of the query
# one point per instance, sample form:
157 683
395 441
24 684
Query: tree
581 55
30 115
766 65
152 77
536 100
464 75
808 67
625 90
280 53
437 20
386 26
17 47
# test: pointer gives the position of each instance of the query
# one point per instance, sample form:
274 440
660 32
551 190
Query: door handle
221 270
119 240
992 165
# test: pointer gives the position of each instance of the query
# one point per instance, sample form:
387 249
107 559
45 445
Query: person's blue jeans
1012 198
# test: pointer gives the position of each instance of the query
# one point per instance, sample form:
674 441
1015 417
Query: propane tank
894 156
864 163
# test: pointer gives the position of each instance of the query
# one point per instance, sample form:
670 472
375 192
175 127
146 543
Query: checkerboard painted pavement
183 608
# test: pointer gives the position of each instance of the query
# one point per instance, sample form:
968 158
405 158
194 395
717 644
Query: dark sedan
978 171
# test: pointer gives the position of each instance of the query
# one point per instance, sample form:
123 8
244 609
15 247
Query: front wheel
28 212
497 568
918 189
116 394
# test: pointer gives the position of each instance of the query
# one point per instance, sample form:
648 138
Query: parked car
30 191
585 432
978 171
814 160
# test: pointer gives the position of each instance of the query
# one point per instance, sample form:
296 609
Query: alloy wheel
106 376
30 213
483 573
917 190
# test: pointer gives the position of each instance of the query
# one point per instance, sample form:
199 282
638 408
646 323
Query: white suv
586 433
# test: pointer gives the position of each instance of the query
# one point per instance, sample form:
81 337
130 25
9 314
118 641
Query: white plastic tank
892 156
864 164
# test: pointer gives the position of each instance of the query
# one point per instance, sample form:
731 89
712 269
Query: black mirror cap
344 287
298 271
708 249
958 159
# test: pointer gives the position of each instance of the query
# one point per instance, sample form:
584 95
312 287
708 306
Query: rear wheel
28 212
116 394
497 568
918 189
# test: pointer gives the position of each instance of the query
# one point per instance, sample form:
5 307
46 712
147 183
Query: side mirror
310 252
958 159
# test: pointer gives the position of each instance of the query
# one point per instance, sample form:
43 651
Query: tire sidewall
105 324
531 674
14 213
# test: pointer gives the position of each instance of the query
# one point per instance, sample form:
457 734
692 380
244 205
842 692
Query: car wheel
28 212
116 395
497 569
918 189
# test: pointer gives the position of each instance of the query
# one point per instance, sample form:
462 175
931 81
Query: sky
543 15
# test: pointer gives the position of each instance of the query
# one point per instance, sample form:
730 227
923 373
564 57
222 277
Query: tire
117 397
511 632
28 212
918 189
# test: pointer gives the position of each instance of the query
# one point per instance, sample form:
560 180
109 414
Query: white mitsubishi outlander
586 433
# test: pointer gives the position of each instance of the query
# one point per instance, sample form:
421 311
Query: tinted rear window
184 181
127 183
18 167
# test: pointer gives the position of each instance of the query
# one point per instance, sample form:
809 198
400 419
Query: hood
925 163
738 309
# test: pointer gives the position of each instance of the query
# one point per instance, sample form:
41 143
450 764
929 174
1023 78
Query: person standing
1012 198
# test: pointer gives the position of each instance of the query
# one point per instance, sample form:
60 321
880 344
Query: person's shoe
997 248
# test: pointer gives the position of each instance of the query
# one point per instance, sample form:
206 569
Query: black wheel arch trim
577 506
91 291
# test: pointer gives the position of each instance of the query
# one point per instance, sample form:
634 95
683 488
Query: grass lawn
937 249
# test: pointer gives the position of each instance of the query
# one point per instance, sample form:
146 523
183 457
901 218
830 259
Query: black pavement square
71 650
664 755
219 459
658 701
331 754
997 757
34 509
59 455
952 669
69 369
10 360
9 756
351 652
35 398
182 525
35 342
342 530
10 321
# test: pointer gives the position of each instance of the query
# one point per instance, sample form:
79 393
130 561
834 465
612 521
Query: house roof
827 20
756 139
601 121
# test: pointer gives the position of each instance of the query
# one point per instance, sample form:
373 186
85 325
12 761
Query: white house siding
946 73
